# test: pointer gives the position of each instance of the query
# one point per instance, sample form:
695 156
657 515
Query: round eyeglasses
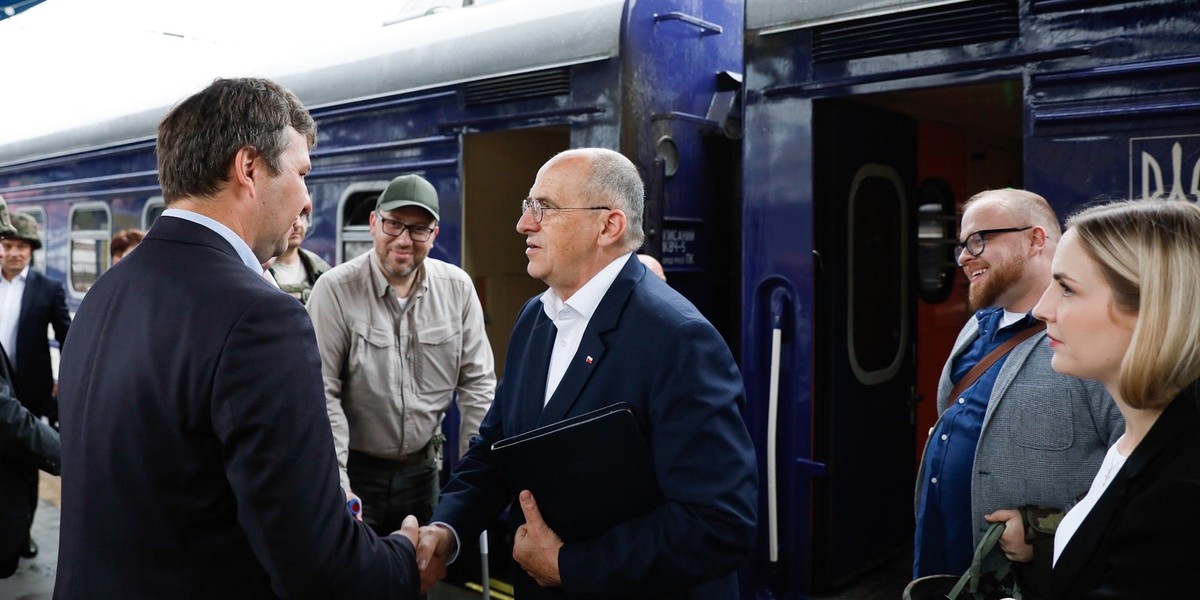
394 228
976 242
538 209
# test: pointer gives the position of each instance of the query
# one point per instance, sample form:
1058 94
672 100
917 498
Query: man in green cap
400 333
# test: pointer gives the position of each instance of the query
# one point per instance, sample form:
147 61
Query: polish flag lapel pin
588 360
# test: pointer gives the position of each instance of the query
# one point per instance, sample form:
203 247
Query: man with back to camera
193 466
579 347
1015 434
297 269
30 302
400 335
27 444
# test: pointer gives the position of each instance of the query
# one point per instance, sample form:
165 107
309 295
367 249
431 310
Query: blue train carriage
474 99
867 124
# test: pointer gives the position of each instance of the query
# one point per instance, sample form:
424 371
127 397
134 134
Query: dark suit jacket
43 303
648 346
198 460
26 444
1140 539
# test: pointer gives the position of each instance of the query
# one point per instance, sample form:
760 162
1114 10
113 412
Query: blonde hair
1149 253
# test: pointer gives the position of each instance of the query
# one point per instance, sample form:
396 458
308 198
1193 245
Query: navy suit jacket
648 346
198 460
43 303
1140 539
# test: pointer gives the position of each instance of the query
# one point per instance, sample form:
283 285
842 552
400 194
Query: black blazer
648 346
1140 539
198 460
26 444
43 303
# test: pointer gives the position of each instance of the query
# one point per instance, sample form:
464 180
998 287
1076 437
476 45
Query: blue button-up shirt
944 540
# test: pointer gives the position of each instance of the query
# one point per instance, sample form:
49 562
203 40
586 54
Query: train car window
354 213
39 215
90 235
154 208
936 225
878 284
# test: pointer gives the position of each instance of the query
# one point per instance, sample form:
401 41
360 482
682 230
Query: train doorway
890 173
498 168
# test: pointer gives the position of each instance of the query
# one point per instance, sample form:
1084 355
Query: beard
999 279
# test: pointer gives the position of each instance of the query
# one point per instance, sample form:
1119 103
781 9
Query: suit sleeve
60 317
274 433
333 339
23 435
706 468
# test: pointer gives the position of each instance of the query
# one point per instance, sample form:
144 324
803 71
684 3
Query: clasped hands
535 547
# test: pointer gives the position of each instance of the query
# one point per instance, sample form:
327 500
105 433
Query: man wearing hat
29 302
400 334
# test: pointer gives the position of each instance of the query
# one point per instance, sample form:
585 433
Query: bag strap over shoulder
986 362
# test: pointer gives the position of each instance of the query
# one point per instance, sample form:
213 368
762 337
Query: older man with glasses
400 334
1015 441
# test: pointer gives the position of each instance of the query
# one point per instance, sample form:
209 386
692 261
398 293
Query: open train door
864 170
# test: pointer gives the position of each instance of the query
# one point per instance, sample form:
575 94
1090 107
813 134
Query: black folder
587 473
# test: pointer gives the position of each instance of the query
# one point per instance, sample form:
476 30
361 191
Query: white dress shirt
11 293
571 317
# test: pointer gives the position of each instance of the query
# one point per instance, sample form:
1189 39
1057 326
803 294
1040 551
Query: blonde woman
1122 310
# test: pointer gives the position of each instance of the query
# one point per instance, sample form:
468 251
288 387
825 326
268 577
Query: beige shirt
390 372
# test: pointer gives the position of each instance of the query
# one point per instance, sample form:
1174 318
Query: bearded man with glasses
400 334
1015 441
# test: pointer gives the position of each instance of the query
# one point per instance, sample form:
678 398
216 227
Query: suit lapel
592 347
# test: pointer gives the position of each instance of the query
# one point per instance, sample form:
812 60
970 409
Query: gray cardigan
1044 434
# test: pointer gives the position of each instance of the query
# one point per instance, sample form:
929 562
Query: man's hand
1012 541
434 548
536 546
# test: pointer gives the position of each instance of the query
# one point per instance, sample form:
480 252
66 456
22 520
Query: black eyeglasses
394 228
539 209
976 242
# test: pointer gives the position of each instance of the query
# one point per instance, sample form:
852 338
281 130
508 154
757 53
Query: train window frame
866 375
39 215
354 233
937 229
152 208
101 236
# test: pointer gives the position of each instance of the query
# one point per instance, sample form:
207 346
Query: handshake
535 546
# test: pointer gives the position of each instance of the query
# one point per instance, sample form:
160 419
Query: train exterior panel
867 125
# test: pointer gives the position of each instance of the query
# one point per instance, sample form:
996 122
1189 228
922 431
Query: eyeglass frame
539 208
422 229
982 233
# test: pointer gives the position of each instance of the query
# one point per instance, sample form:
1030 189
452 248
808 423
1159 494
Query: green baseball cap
409 190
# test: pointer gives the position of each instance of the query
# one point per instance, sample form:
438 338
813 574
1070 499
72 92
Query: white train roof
121 91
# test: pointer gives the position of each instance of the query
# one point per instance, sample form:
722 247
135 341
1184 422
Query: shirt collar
587 298
219 228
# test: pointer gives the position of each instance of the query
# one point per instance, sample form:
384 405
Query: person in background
653 265
198 462
27 444
30 304
297 269
123 243
401 336
581 346
1122 310
1015 441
